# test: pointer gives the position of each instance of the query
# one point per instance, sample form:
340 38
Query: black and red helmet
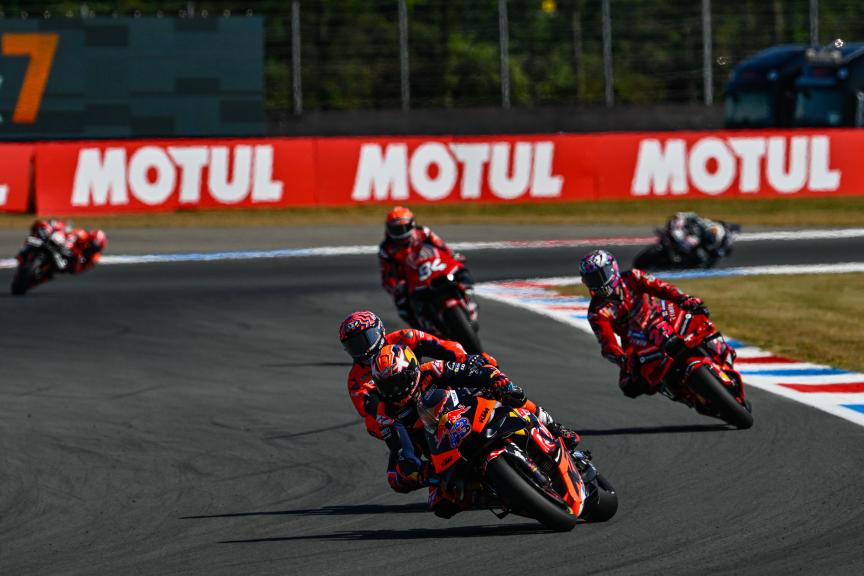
396 373
400 224
362 335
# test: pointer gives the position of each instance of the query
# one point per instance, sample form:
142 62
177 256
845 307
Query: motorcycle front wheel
704 383
26 276
521 495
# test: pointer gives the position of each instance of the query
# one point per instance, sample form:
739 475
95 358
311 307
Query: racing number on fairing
41 49
427 268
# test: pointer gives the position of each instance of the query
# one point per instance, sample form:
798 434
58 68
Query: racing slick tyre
26 276
651 258
603 504
459 328
521 495
704 383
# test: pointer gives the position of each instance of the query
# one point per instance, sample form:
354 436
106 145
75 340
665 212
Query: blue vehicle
830 90
761 92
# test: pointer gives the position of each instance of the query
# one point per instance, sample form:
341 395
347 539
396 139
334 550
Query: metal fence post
504 35
707 68
814 22
403 56
296 70
607 54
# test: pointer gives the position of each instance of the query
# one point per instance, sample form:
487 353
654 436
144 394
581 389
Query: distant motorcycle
513 461
38 261
694 366
441 295
667 253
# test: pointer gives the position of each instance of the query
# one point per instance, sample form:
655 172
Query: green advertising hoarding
66 78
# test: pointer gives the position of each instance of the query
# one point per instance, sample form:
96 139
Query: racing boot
569 436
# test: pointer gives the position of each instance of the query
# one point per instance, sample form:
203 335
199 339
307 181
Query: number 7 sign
40 48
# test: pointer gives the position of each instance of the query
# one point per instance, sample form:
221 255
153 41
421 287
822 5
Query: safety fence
123 176
392 54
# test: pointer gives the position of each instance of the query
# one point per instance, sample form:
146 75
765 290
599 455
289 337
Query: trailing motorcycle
667 253
441 295
38 261
693 366
511 461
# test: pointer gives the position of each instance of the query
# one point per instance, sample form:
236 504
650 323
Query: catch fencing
425 54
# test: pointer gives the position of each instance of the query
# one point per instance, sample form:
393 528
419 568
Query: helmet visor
399 229
400 386
363 345
599 278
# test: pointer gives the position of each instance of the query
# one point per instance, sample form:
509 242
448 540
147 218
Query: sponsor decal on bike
458 431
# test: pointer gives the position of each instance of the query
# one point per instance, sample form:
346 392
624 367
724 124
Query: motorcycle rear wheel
604 505
704 383
459 328
651 258
514 489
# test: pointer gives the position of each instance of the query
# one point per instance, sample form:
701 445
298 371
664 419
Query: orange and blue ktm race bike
692 364
510 460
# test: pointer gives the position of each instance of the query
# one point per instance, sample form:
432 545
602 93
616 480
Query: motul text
713 165
511 171
151 174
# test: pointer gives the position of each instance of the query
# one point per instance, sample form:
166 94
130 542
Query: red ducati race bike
694 366
38 261
441 295
511 462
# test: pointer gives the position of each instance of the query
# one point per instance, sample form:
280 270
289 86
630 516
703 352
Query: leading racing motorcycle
38 261
667 254
441 295
512 462
694 366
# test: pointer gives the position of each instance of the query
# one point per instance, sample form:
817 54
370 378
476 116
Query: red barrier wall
164 175
15 163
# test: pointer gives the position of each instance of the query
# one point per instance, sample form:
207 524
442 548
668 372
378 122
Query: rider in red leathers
633 305
81 248
403 236
362 335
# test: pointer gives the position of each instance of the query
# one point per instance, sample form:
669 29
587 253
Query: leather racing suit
392 255
638 310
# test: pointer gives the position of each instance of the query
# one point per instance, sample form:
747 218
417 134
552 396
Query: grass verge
834 211
817 318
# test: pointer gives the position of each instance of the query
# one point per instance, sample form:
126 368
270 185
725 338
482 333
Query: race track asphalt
193 419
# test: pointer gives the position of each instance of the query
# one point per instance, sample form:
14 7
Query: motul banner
150 176
15 163
140 176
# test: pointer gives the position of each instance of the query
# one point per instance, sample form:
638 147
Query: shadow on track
682 429
348 509
410 534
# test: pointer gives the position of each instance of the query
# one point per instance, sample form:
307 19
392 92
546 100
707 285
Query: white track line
789 235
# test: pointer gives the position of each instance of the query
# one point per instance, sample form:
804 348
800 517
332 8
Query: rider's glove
511 395
477 361
694 305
